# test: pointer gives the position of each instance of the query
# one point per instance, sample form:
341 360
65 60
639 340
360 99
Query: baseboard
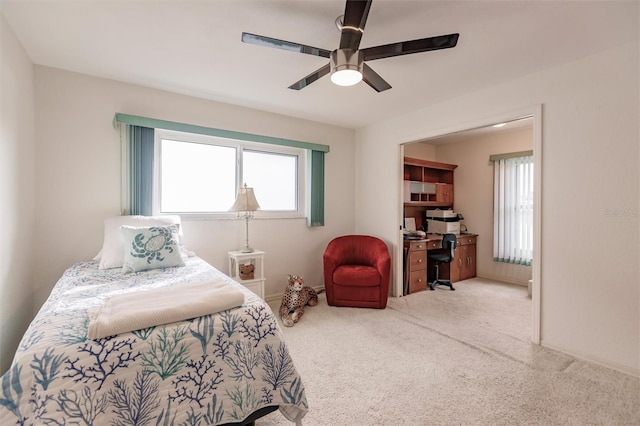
273 298
635 372
503 280
278 297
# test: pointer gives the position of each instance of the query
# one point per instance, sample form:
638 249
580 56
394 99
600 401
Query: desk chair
449 243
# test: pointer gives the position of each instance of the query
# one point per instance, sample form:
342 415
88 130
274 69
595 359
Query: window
141 180
513 209
273 175
200 175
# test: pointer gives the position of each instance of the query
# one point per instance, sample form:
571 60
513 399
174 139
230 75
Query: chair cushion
440 257
356 276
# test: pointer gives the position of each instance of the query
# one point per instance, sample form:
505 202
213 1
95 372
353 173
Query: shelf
429 164
257 281
427 204
427 185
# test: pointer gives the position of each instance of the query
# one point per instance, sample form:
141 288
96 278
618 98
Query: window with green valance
140 144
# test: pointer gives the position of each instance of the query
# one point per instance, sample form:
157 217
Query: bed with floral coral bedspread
221 368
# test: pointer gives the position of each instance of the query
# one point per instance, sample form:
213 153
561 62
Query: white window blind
513 209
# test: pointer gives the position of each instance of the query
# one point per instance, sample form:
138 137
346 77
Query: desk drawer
417 245
417 281
417 260
434 244
465 241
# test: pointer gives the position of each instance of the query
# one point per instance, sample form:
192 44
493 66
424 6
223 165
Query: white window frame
240 146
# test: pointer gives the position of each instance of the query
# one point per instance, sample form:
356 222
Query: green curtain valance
154 123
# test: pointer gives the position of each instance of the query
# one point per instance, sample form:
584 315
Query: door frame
535 112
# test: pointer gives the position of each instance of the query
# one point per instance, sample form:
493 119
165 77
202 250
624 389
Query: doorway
462 147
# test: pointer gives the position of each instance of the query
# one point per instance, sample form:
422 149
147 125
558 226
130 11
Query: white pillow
98 256
150 247
112 253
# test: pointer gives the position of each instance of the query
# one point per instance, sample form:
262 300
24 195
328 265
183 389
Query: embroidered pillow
112 253
150 247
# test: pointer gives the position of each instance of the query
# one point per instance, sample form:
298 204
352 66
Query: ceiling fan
347 63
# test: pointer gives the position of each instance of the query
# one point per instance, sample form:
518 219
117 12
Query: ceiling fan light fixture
346 67
346 77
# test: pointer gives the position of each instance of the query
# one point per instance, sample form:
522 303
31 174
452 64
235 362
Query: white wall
17 189
473 194
78 163
420 150
590 193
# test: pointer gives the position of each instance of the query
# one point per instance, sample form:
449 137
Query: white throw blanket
146 308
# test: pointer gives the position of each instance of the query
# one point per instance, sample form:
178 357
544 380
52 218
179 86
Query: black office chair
449 243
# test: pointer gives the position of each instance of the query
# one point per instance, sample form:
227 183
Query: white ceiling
194 48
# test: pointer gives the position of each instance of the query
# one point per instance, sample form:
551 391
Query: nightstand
248 270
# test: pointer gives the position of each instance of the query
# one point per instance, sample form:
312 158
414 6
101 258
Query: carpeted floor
447 358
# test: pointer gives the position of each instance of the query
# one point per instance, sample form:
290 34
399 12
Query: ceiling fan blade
284 45
302 83
355 17
373 79
414 46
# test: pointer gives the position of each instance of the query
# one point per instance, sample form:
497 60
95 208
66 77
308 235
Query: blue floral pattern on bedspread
209 370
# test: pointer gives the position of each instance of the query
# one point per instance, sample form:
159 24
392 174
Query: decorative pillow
112 253
150 247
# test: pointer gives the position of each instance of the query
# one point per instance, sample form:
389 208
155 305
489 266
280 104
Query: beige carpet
448 358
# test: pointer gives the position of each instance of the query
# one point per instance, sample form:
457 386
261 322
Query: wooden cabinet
454 267
444 193
415 266
427 185
468 262
417 172
464 259
464 264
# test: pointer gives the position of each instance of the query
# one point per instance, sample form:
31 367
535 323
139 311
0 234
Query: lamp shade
245 201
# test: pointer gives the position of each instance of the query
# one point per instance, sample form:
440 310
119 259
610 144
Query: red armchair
357 269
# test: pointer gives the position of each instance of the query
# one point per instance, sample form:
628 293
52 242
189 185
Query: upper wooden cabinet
444 193
428 183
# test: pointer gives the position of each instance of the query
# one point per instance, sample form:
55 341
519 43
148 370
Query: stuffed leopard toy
295 298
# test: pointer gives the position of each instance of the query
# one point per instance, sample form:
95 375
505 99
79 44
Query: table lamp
245 205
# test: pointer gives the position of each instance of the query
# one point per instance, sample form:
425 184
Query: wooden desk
418 271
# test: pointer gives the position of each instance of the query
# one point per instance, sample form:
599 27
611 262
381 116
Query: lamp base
246 250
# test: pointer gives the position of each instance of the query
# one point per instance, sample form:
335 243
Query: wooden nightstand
240 262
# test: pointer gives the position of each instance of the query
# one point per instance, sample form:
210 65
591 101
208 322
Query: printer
442 222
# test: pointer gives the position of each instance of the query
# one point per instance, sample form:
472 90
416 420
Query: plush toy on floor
295 298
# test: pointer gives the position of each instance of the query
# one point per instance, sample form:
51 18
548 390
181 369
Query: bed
227 367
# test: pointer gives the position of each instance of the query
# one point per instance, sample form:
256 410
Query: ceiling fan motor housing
346 59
